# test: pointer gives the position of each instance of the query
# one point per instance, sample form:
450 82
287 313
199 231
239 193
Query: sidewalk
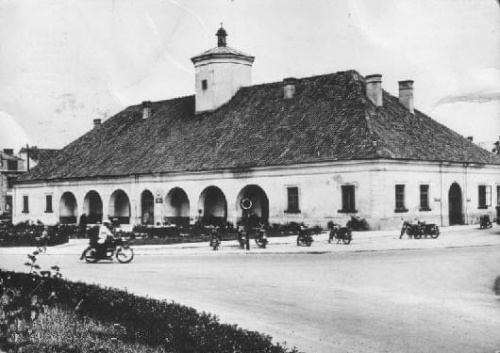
455 236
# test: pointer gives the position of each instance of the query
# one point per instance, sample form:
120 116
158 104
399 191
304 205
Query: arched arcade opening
213 206
259 211
119 207
147 207
68 208
92 207
177 207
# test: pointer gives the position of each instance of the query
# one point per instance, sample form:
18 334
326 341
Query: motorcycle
261 237
420 229
430 229
304 237
357 223
119 248
339 233
215 243
412 229
242 237
484 222
215 240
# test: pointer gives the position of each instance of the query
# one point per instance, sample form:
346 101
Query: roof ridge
258 85
417 132
306 78
159 101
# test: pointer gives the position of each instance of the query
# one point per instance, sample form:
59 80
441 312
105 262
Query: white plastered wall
320 196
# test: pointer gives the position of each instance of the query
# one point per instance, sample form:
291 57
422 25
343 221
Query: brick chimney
97 123
289 85
374 89
406 95
146 109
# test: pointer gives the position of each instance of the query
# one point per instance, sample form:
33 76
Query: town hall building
309 150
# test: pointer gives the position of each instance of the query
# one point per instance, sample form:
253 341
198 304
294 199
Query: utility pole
27 157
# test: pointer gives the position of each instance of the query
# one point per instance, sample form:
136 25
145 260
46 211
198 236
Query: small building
11 167
309 150
34 155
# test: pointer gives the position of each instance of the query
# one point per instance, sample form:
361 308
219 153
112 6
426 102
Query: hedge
178 328
30 235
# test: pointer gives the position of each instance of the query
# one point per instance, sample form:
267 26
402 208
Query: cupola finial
221 36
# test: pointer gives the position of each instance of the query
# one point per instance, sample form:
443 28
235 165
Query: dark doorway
455 204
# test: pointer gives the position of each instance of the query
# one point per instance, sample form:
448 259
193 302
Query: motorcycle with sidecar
340 233
485 222
305 237
419 229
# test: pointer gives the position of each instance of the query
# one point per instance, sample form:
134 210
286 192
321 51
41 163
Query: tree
496 149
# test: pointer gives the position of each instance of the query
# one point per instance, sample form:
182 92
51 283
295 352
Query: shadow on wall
496 286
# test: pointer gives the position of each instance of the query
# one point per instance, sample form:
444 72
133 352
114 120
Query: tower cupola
219 73
221 36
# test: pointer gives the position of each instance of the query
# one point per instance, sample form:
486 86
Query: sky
64 63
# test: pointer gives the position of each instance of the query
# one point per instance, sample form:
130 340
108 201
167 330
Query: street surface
379 294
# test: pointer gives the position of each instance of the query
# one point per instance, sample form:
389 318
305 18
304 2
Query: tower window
204 85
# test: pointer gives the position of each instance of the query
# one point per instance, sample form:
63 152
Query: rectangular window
293 199
25 204
48 203
424 198
12 165
484 196
348 199
204 84
498 195
10 182
400 198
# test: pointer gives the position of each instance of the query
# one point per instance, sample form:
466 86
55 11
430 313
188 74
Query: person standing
44 238
83 225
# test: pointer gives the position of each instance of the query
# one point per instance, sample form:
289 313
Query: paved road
415 300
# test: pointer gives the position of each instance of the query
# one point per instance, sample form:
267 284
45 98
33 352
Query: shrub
22 302
176 327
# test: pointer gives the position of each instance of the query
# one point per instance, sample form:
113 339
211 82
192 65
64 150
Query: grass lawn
61 330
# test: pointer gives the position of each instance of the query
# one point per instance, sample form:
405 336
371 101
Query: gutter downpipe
466 164
14 205
441 187
134 189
